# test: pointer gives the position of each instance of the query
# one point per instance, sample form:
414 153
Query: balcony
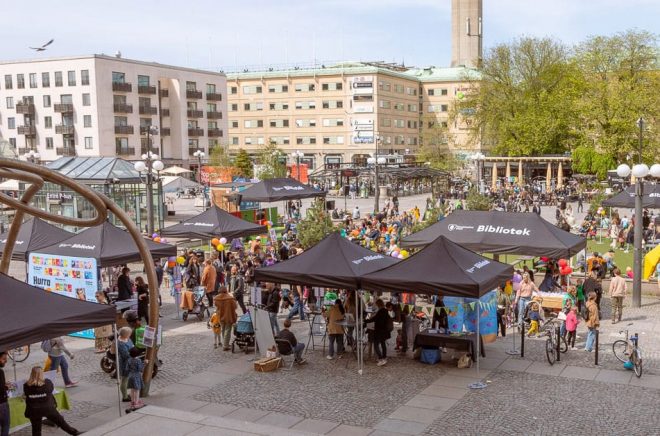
165 131
62 129
148 110
164 93
122 87
65 151
124 151
195 131
215 133
123 108
191 151
194 113
214 115
213 96
124 130
191 93
146 89
27 130
63 108
154 150
165 112
25 108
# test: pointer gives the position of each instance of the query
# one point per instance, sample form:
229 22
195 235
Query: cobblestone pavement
519 403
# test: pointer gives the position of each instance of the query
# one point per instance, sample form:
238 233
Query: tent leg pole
478 384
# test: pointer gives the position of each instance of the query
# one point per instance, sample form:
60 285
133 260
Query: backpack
46 346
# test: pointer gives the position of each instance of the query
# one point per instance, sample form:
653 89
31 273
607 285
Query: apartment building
102 106
335 114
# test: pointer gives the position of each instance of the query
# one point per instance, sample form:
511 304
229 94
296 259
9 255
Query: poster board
74 277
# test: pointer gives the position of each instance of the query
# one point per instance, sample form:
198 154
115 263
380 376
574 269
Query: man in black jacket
273 306
124 286
591 284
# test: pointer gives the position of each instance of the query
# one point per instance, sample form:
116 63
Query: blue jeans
298 350
273 323
61 362
297 307
522 303
591 338
339 339
4 418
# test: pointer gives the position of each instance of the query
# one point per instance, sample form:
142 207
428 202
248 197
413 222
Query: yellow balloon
405 253
180 260
220 247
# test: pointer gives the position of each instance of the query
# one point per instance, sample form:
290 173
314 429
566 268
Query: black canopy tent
501 233
34 234
279 189
29 314
214 222
626 198
335 262
108 244
441 267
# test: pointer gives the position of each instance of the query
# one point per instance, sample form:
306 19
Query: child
571 327
214 323
579 294
534 317
629 272
135 368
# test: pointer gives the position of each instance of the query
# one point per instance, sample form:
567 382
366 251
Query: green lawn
621 258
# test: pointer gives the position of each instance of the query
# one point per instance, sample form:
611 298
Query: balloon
223 241
405 253
395 254
163 240
544 259
215 241
154 235
401 256
568 270
180 260
170 263
517 278
562 262
157 239
220 247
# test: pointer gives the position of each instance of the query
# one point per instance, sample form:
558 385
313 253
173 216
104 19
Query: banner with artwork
75 277
462 315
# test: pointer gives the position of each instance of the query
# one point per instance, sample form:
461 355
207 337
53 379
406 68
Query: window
89 143
412 140
121 121
334 86
443 123
212 125
251 124
306 123
211 107
279 106
49 143
306 140
384 104
234 140
384 86
444 108
210 88
333 122
279 123
252 89
411 91
280 140
122 144
86 99
443 91
48 122
233 90
399 123
234 124
305 87
333 104
258 106
47 101
278 88
193 143
146 102
234 107
399 106
412 108
191 86
33 80
11 123
363 97
87 120
117 77
10 102
398 140
431 91
118 99
84 77
305 105
12 142
71 78
385 122
398 88
20 81
412 124
66 99
144 80
58 78
8 81
333 139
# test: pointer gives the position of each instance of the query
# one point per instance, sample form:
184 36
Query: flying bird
43 47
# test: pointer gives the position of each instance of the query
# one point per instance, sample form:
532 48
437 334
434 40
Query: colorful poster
75 277
462 315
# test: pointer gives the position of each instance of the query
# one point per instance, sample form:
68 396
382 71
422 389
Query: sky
239 34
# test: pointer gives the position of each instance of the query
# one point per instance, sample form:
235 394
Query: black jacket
381 321
591 285
124 288
273 302
39 400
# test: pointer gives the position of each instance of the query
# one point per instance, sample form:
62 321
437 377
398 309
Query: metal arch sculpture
36 176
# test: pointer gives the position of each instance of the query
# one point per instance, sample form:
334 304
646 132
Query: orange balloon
157 239
215 241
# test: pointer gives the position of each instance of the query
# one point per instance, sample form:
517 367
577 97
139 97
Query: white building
100 105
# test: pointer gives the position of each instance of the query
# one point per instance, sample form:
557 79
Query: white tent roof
9 185
176 170
174 183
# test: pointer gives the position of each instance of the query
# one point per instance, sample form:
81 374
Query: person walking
135 369
593 321
124 347
209 276
56 353
193 273
273 306
335 331
4 398
298 306
383 326
237 287
124 285
226 306
503 307
40 403
618 289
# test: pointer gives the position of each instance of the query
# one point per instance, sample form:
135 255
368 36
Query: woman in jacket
124 285
383 325
593 321
142 290
194 273
40 403
335 331
617 294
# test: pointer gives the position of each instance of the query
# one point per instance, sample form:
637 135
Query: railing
123 108
62 129
122 87
165 131
146 89
164 93
194 113
195 131
213 96
125 151
148 110
190 93
25 108
144 149
191 151
63 108
124 130
165 112
215 133
214 115
27 130
65 151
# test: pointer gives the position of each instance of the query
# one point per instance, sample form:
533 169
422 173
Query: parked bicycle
19 354
551 330
627 350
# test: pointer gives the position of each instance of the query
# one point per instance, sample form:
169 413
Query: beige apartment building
102 105
339 113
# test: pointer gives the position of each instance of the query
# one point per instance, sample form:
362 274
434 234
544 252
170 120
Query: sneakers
329 357
574 348
301 361
73 384
382 362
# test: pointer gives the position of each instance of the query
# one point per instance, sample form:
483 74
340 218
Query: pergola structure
526 168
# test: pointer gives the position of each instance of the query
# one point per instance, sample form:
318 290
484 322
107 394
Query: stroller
199 307
243 334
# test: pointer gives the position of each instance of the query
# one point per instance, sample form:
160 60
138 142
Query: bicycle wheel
636 358
20 354
563 345
620 348
550 350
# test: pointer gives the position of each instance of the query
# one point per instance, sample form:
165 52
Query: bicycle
19 354
627 350
551 351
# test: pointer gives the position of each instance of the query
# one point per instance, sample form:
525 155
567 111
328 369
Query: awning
214 223
270 190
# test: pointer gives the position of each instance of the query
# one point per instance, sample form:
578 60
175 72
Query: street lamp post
478 159
639 171
199 154
376 162
150 162
297 155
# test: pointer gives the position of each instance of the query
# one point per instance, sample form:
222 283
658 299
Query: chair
284 344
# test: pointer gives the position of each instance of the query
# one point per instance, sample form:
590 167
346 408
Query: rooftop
96 169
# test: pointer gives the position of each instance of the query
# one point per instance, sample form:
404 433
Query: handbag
561 316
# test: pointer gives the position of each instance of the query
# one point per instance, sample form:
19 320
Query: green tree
218 157
243 164
477 201
316 225
524 102
588 160
272 162
434 144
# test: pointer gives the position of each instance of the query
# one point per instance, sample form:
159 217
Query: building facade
101 105
340 113
466 33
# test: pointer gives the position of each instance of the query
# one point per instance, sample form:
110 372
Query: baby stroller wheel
185 316
200 315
